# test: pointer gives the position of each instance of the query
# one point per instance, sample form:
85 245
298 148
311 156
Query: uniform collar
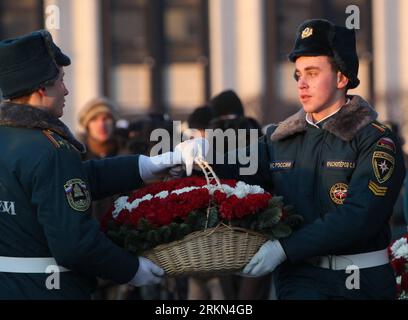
344 123
319 123
25 116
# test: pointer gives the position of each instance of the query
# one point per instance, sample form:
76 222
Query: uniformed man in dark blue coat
340 168
50 246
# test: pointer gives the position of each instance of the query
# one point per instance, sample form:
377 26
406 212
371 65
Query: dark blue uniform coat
45 196
343 178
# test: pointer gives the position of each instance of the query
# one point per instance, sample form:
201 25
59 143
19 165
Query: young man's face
53 100
100 127
319 86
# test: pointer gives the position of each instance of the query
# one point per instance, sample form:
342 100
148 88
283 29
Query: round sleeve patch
77 194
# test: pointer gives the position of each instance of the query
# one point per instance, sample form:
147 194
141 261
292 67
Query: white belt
30 265
361 260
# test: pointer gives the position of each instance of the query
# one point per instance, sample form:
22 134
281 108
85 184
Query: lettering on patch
340 164
281 165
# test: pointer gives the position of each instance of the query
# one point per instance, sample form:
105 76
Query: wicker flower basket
213 251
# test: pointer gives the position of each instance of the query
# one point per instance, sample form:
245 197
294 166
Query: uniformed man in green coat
340 168
50 246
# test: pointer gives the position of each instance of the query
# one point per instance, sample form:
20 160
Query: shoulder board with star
56 140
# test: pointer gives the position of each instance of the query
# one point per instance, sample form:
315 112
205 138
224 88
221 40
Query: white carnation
120 204
162 195
186 189
402 252
397 244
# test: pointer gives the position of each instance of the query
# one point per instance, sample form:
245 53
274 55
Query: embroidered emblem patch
376 189
340 164
338 193
383 165
386 143
77 194
280 165
306 33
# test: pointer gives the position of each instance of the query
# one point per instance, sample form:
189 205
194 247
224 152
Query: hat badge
307 32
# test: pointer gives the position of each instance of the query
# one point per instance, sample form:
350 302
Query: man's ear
41 91
342 80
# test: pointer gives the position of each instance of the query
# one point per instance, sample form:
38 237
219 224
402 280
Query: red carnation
398 264
404 281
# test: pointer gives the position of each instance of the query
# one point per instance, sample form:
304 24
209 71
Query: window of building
20 17
155 51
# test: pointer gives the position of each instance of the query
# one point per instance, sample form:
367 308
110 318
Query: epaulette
379 126
56 140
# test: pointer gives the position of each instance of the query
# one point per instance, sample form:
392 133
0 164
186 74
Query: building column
390 64
250 60
223 51
79 36
237 49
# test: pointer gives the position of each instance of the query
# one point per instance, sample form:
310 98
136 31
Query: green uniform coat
343 178
45 196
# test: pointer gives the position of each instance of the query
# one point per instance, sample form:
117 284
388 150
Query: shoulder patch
383 165
77 194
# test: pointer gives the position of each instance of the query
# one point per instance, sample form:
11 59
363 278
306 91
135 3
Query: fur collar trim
344 124
19 115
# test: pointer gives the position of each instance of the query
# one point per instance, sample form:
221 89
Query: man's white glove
268 257
186 152
153 168
148 273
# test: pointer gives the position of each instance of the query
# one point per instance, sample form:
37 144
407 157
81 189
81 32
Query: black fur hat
200 118
28 62
225 104
319 37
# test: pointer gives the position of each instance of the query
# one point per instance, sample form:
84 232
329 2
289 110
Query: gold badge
383 165
338 193
376 189
307 32
77 194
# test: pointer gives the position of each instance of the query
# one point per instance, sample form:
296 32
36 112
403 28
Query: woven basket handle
212 179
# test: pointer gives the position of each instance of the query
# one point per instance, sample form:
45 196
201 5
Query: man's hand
268 257
153 168
148 273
